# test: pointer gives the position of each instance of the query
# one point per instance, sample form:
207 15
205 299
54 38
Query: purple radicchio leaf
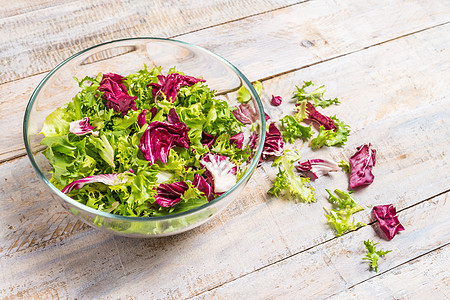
318 167
388 222
208 139
141 118
253 139
273 144
115 93
276 100
173 117
361 164
81 127
160 137
167 195
108 179
170 85
238 140
222 171
320 119
266 116
203 186
245 114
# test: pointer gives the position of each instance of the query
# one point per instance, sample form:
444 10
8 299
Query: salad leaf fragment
316 96
290 184
373 254
208 140
345 166
221 169
170 85
293 130
245 114
342 221
108 179
81 127
273 144
141 118
361 164
388 222
344 201
318 167
203 186
320 119
238 140
116 94
276 100
160 137
244 95
330 138
167 195
341 218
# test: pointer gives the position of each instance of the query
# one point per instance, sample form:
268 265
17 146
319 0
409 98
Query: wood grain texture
427 277
406 124
360 89
315 31
263 49
389 66
35 38
336 265
30 216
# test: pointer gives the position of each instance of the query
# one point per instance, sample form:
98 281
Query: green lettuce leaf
104 147
344 201
342 221
293 130
331 137
223 146
57 123
373 254
345 165
315 96
290 184
244 95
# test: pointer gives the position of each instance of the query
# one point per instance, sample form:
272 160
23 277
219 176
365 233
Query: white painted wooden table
387 61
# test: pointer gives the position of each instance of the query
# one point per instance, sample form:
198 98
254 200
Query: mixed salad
148 144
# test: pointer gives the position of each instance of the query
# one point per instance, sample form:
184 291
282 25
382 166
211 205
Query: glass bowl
124 57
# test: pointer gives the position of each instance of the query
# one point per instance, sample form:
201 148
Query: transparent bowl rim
143 219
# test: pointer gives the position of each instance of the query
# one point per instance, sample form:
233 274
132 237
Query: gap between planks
329 240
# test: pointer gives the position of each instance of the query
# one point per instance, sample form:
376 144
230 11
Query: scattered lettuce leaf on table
316 96
361 164
317 167
288 183
386 216
341 218
293 130
330 138
373 254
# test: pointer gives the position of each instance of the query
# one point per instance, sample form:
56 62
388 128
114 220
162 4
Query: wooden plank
241 38
424 278
337 265
35 41
395 98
